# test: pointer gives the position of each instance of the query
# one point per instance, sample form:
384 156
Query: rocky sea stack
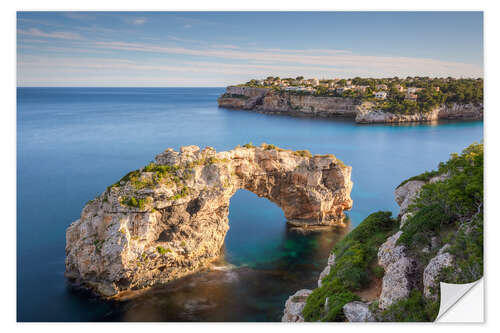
170 218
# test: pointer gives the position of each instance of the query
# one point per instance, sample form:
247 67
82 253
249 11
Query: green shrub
426 176
379 271
451 203
467 249
161 250
423 225
335 304
133 202
354 268
411 309
452 211
183 193
249 145
303 153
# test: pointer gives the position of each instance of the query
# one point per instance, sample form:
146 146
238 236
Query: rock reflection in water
228 292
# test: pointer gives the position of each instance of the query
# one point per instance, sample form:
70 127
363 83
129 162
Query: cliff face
269 101
171 217
455 111
389 269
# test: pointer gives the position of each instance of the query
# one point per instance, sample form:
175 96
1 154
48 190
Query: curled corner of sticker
461 303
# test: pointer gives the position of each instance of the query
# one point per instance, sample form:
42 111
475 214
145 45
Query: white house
380 94
361 88
314 82
413 90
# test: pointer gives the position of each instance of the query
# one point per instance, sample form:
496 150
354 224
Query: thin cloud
34 32
80 16
139 21
225 46
187 26
341 59
184 40
33 65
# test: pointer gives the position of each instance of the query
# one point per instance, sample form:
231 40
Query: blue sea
73 142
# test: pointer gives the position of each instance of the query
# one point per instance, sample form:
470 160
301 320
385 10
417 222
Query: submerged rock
294 306
358 312
170 218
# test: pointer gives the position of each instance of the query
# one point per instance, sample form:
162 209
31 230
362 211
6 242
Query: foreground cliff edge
389 269
170 218
266 100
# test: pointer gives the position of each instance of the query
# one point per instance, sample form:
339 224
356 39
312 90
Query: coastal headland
390 100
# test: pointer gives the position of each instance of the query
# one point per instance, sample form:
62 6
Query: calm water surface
73 142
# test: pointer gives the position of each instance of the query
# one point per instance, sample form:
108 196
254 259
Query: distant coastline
390 100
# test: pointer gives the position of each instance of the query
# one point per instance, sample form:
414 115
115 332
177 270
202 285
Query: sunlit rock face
170 218
266 100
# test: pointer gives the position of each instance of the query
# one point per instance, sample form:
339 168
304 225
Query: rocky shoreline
399 267
265 100
417 253
170 218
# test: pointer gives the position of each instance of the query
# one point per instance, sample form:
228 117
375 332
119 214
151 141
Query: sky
216 49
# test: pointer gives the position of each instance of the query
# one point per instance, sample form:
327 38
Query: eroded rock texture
430 279
327 269
294 306
171 217
399 278
358 312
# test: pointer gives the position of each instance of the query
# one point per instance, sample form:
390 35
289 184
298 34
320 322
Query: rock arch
170 218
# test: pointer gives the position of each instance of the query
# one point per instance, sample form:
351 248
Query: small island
367 100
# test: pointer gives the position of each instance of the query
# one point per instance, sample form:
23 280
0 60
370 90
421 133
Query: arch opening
257 229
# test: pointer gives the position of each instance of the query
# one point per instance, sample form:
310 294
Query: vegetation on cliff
355 266
452 211
409 95
446 216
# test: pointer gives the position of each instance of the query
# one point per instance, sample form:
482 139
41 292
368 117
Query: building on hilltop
399 88
413 90
314 82
361 88
411 97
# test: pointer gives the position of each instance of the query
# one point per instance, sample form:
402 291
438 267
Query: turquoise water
73 142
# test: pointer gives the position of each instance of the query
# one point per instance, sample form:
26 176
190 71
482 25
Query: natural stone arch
170 218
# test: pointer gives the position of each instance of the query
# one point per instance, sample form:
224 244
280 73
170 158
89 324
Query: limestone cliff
267 100
455 111
270 101
389 269
170 218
